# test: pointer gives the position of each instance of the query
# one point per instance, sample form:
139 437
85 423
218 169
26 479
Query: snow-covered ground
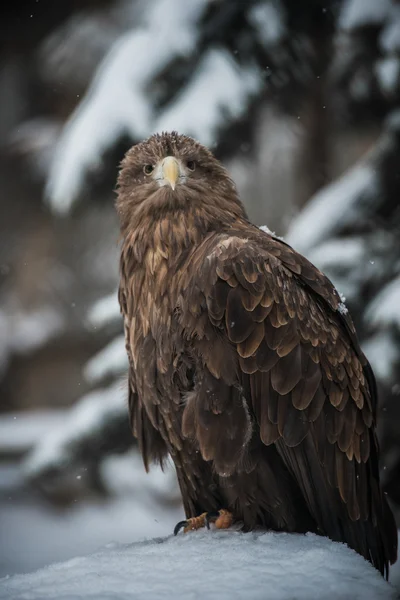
34 533
218 564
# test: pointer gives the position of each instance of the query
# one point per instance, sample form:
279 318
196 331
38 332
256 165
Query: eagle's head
172 172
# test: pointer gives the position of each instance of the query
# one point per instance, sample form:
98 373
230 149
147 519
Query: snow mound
219 564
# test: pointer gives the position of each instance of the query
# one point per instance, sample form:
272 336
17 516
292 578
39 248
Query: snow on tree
202 82
24 331
97 425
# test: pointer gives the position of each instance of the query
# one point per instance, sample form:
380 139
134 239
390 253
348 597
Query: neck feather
169 225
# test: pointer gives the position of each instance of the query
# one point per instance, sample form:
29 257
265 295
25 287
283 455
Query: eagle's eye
148 169
191 165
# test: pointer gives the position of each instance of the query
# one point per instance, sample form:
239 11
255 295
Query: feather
304 392
289 340
248 365
364 446
252 343
272 399
250 302
317 403
239 323
216 302
335 394
261 312
286 374
269 432
283 412
348 428
275 335
295 427
265 357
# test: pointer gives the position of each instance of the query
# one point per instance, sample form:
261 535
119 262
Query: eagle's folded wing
307 384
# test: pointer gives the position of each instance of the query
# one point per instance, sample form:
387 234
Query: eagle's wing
307 385
151 443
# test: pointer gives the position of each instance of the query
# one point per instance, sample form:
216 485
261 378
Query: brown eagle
244 364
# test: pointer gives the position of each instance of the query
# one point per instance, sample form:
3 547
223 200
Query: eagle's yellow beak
170 170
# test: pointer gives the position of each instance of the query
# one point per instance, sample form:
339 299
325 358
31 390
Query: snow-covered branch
337 205
86 434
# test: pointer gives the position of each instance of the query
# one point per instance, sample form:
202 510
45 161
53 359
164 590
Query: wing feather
308 385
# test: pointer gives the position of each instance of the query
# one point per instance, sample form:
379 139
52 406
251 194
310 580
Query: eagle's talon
211 517
192 523
222 519
180 526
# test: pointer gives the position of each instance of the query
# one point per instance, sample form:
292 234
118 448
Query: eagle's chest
161 356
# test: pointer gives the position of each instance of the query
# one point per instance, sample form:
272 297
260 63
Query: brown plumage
244 365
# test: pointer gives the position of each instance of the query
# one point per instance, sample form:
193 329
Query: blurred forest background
299 98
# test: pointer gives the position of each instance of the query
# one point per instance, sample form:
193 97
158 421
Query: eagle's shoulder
251 257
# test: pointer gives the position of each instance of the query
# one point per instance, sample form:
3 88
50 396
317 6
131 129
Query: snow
31 330
336 204
20 431
23 331
359 13
71 52
266 229
37 536
390 37
392 122
346 252
111 360
28 330
35 140
225 565
382 352
388 71
139 505
125 475
342 308
268 21
86 417
219 91
384 310
118 101
105 311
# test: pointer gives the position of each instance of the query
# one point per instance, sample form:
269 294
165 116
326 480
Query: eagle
244 364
